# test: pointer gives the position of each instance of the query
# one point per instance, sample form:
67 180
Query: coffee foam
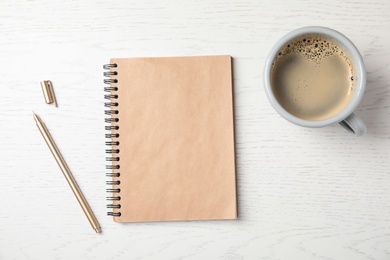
299 84
315 48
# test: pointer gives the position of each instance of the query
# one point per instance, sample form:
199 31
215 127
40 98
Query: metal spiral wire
113 143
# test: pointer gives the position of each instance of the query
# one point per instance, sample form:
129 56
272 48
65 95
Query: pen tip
35 116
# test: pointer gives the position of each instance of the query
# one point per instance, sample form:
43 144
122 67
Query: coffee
312 77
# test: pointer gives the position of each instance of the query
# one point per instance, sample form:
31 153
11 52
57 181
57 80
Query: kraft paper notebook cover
171 134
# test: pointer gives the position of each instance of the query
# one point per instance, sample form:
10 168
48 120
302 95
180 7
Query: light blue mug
346 117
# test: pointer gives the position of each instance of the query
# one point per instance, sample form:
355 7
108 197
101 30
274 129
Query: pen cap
48 92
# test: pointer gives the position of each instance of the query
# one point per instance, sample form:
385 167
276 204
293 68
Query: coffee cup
315 77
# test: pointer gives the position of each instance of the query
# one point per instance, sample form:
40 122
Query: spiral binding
112 122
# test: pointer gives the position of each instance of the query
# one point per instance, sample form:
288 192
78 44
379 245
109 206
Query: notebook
171 139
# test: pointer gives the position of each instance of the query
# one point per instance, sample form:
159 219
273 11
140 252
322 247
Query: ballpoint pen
68 175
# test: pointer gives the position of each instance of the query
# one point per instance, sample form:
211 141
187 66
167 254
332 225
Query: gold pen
68 175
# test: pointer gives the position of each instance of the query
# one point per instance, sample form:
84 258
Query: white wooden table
303 193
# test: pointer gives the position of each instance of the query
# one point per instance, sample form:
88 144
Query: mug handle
354 124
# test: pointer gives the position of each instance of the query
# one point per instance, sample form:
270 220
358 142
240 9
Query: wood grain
303 193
